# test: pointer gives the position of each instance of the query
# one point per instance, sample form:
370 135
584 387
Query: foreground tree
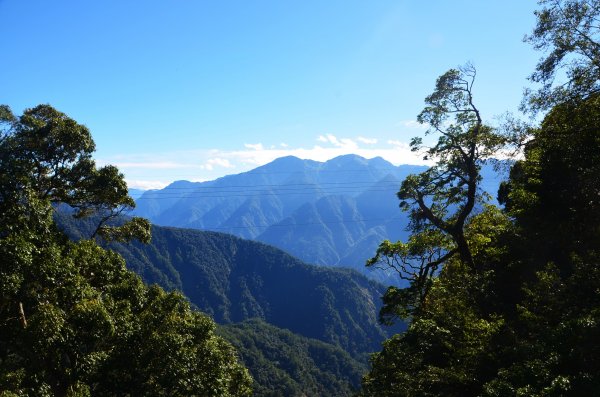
73 320
440 200
526 321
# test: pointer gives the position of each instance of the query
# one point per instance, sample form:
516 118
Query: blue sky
199 89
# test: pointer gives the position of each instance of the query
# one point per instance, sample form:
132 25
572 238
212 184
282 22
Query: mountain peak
380 162
286 164
347 159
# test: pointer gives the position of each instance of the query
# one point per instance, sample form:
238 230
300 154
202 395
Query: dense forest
499 300
504 302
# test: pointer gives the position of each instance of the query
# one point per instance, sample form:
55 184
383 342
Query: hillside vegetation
233 280
286 364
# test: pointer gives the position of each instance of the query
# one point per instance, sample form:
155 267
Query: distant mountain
332 213
136 193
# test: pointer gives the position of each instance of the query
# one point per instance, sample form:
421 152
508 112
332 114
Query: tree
50 155
441 199
568 31
73 320
526 322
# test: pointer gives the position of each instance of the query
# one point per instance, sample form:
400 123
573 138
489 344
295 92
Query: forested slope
286 364
233 280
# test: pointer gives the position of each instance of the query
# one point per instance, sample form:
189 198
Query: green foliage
449 342
73 320
567 31
559 180
553 196
285 364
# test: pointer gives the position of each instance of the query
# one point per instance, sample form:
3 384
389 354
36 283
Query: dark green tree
526 321
553 195
73 320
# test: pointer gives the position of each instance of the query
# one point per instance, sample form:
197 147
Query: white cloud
333 140
368 141
283 144
149 164
255 146
220 162
400 144
145 185
157 170
345 143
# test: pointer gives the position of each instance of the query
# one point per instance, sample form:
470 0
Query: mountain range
332 213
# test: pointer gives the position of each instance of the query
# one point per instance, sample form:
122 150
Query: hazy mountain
136 193
316 211
333 213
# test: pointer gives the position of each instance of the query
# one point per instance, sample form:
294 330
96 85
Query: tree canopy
568 33
73 320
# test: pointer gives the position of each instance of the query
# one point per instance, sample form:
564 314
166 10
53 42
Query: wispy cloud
345 143
367 141
157 170
145 185
255 146
216 162
398 144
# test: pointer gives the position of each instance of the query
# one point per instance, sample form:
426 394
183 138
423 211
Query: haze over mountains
332 213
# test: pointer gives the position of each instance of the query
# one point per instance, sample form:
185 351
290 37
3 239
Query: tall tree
50 155
440 200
